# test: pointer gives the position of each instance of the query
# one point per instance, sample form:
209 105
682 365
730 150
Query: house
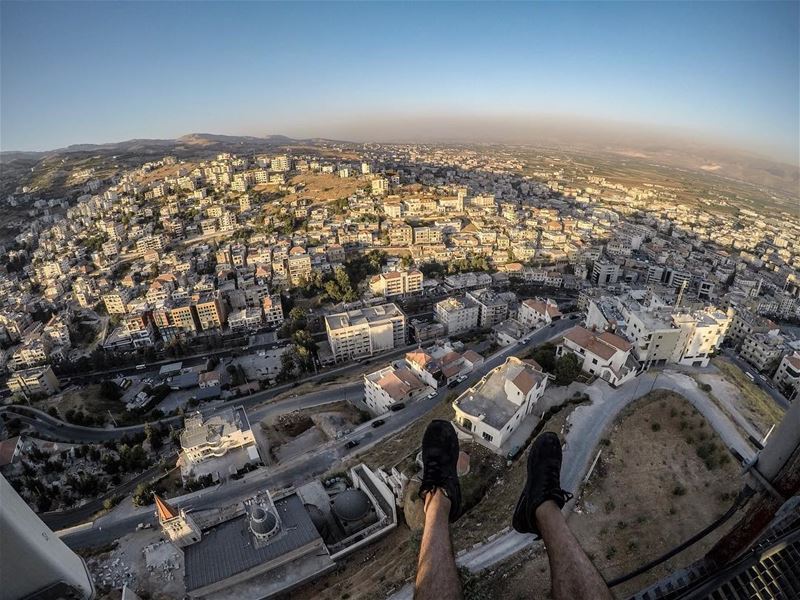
605 355
493 408
535 312
391 385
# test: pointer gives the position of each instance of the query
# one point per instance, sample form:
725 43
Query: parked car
453 384
378 423
352 444
396 407
461 378
431 395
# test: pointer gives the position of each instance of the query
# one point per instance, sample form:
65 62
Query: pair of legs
573 575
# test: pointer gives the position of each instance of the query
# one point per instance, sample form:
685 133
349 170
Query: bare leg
437 577
573 575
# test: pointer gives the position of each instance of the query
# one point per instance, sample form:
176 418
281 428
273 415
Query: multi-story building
763 350
787 377
605 355
38 381
273 311
396 283
535 312
150 243
298 266
493 408
401 234
702 333
457 315
281 164
245 319
744 322
427 235
116 302
380 186
206 439
390 385
604 273
210 311
492 307
365 331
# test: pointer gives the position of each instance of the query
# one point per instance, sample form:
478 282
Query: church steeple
179 527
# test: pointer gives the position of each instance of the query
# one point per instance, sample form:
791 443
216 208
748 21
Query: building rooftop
229 548
488 399
362 316
199 432
604 345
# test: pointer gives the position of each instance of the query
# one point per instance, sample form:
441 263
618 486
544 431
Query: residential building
245 319
365 331
457 315
763 350
702 333
535 312
116 302
492 307
396 283
493 408
210 311
787 377
605 355
390 385
604 272
380 186
273 311
205 440
38 381
298 266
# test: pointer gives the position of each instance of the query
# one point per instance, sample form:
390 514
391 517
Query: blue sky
99 72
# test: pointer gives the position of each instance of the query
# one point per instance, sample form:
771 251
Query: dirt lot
753 402
292 434
650 491
86 399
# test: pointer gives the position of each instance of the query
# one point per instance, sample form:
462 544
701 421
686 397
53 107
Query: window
594 361
487 437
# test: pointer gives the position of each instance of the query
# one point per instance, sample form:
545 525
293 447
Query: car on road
453 384
141 367
750 376
378 423
352 444
397 406
432 395
461 378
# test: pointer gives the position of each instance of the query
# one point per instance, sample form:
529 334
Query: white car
431 395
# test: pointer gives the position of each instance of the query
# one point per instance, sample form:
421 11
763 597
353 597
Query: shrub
679 490
655 427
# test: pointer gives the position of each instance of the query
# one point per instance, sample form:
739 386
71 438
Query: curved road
587 425
304 467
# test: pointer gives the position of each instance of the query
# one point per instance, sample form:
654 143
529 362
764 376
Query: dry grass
760 406
649 492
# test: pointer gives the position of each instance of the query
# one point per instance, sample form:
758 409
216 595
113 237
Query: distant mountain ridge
144 144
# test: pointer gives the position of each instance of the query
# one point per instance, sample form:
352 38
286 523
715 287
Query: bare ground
650 491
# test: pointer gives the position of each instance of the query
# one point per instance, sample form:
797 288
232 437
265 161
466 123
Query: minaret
179 526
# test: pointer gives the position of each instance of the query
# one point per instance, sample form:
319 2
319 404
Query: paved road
304 467
588 424
61 431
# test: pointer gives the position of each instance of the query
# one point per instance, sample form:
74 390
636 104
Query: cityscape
219 352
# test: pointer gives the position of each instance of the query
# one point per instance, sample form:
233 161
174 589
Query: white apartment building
280 163
535 312
396 283
457 315
365 331
493 408
390 385
245 319
702 333
604 273
605 355
116 302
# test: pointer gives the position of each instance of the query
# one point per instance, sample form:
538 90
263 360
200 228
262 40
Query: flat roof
228 548
360 316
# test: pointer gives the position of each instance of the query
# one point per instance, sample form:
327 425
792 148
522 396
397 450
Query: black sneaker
543 483
439 460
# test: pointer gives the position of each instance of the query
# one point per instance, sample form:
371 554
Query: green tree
567 369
